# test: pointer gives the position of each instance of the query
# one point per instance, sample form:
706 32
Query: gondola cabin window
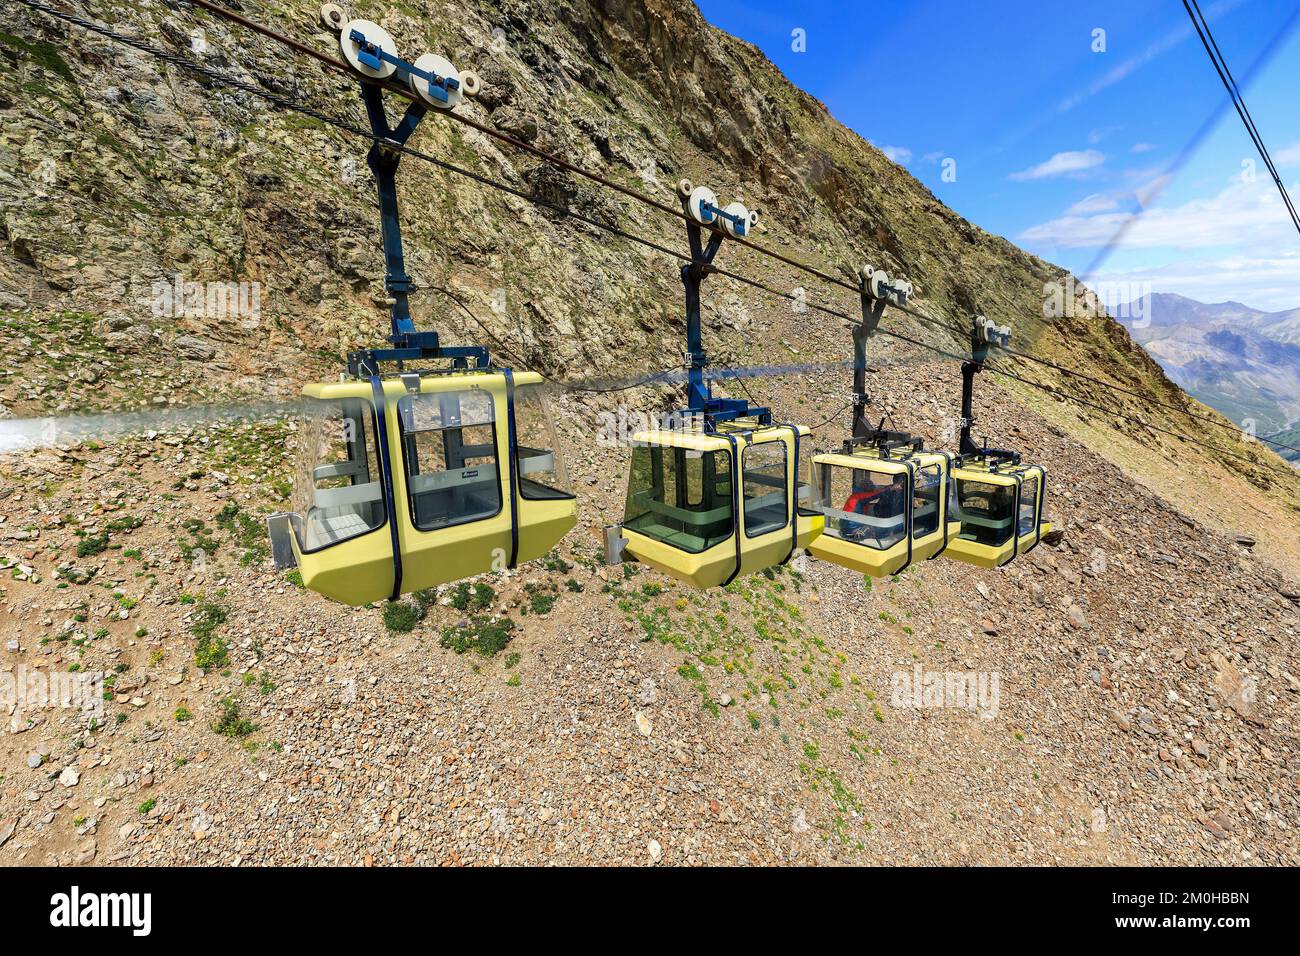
1028 506
925 501
805 479
864 506
986 511
449 447
541 471
767 505
680 496
338 492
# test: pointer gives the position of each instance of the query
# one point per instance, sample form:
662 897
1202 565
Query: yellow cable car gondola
686 516
885 500
422 477
999 500
720 495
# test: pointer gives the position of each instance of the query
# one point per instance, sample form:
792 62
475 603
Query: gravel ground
1138 692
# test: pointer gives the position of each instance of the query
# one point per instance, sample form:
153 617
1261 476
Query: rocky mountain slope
1242 361
1145 666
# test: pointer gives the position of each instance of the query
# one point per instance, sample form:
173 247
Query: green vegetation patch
485 635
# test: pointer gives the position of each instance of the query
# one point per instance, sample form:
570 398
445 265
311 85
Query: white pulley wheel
903 289
698 204
684 188
375 34
876 284
470 84
438 66
332 16
865 273
753 219
736 222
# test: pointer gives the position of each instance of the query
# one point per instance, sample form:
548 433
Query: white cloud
1141 147
1288 155
1094 203
1243 212
933 157
1071 161
899 154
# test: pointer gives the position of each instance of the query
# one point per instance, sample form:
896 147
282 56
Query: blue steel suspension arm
863 433
966 446
697 394
699 398
383 160
385 154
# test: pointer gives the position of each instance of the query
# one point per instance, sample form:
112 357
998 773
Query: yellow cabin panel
358 571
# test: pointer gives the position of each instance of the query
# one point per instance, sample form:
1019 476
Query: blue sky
1055 145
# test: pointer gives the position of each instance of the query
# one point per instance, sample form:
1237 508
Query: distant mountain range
1239 360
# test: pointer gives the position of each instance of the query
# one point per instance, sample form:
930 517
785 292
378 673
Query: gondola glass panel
986 511
865 506
925 500
337 532
542 475
767 504
680 497
1028 516
449 447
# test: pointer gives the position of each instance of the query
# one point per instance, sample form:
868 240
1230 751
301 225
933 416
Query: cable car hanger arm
876 291
383 158
984 336
701 208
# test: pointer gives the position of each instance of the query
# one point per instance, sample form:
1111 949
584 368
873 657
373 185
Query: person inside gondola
876 495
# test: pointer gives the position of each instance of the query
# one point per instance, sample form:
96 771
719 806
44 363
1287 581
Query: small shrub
484 635
183 714
124 523
402 615
460 596
89 545
148 805
211 652
232 722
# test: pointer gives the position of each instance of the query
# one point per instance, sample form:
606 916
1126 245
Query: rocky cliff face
123 174
1147 663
